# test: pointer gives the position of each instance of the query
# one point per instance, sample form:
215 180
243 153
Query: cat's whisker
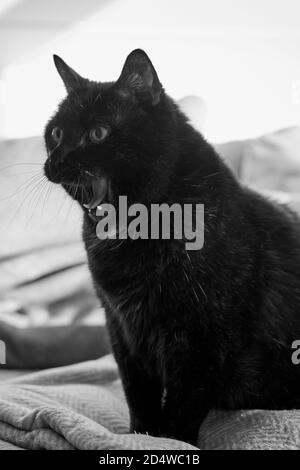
36 192
25 185
62 205
33 185
14 165
40 197
36 197
73 190
48 195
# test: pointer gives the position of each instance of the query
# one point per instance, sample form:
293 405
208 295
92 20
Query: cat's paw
138 427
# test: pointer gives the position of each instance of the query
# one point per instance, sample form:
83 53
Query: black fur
190 330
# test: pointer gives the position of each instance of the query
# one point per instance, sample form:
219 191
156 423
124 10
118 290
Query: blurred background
232 65
241 57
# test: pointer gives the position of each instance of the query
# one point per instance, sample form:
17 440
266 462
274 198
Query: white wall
242 57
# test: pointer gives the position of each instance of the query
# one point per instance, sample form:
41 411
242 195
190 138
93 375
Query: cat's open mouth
89 189
99 186
98 192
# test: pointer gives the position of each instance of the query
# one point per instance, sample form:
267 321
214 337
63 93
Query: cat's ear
139 78
71 79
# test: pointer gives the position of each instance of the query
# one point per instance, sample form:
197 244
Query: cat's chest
143 334
138 296
139 314
146 294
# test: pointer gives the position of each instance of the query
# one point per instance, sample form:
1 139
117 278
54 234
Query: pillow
269 162
195 108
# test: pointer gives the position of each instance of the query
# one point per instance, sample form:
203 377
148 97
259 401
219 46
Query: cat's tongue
99 189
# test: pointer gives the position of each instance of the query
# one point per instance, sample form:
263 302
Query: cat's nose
68 149
82 142
58 155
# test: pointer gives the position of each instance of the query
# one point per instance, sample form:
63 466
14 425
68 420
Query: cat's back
275 232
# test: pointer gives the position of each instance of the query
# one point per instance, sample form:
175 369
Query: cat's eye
98 134
57 134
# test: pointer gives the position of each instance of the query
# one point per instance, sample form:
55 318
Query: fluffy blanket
82 406
73 407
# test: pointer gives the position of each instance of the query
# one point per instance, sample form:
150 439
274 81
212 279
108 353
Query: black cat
190 330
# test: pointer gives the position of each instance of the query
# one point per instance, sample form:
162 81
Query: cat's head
112 139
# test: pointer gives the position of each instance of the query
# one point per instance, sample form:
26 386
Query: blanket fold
83 407
74 407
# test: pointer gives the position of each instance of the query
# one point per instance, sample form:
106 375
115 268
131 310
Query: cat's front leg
143 395
184 413
188 399
143 390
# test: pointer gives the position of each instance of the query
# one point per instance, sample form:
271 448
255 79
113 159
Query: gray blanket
82 406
